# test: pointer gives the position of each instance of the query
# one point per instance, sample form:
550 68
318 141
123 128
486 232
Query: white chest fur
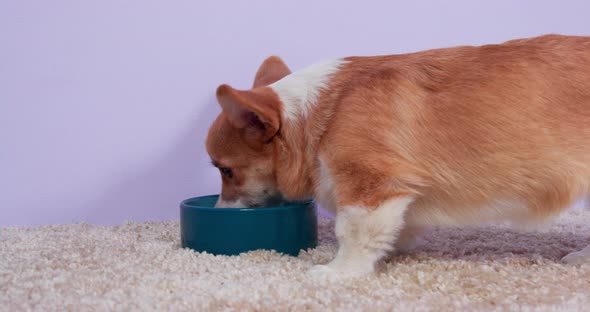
324 189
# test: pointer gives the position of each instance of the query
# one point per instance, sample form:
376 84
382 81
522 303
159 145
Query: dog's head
241 141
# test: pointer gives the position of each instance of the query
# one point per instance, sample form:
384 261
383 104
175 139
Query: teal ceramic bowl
288 228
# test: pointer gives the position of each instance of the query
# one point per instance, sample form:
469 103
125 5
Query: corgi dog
393 144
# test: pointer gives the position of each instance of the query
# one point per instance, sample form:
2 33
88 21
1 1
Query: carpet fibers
140 267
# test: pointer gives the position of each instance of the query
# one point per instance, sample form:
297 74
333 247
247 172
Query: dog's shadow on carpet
493 243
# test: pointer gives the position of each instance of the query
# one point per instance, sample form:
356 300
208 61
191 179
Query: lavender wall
104 105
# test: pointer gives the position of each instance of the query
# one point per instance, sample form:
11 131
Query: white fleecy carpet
140 267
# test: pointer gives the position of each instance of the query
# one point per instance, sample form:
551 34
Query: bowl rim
291 205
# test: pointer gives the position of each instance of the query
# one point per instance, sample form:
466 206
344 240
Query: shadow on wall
154 193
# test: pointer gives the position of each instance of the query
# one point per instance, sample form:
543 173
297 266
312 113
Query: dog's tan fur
469 133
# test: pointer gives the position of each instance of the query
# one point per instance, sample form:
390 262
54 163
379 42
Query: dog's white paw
328 273
322 273
578 257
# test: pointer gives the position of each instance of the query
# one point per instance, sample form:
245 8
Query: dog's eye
226 172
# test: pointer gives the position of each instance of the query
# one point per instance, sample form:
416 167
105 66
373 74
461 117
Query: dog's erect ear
255 111
271 70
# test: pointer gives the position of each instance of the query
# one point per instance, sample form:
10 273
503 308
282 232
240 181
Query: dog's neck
307 100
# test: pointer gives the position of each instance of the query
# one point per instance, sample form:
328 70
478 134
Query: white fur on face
258 197
364 237
229 204
259 193
300 90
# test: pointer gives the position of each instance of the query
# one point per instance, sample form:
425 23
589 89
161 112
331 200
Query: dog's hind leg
582 256
578 257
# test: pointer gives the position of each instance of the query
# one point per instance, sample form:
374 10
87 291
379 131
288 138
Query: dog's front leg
365 234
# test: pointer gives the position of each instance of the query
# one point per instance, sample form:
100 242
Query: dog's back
478 133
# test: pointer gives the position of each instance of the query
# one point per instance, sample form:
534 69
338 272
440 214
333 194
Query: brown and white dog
395 143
